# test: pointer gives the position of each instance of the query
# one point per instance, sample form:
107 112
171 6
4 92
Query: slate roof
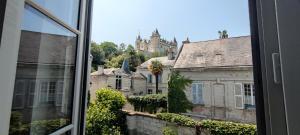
164 60
227 52
107 71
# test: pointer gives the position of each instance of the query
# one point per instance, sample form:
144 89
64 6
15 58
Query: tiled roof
227 52
108 71
164 60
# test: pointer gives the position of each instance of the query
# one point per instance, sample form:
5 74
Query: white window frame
198 93
252 96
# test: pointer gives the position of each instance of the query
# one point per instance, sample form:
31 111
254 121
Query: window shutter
238 96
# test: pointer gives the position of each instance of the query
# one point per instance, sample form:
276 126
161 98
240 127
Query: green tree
177 100
156 68
98 55
116 62
110 49
223 34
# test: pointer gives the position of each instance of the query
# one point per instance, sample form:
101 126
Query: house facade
168 64
222 75
129 83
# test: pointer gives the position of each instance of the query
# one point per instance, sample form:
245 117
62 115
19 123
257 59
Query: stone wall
148 124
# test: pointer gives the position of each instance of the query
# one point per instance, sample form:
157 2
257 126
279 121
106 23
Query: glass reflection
67 10
42 101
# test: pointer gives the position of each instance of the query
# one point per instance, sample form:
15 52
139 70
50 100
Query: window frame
2 13
77 80
149 90
118 82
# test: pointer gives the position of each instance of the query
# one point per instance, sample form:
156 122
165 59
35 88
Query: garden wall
147 124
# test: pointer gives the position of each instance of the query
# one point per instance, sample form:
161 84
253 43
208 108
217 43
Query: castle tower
138 43
155 41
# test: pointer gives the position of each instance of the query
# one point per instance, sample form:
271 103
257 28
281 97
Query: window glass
197 93
44 77
67 10
118 82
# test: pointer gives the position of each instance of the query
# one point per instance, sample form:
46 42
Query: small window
197 89
159 91
150 91
249 95
159 78
118 82
149 78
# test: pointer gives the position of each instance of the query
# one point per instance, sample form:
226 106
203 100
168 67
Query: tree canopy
112 56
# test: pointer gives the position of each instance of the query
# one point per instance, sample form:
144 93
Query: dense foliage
149 103
178 119
168 130
156 68
104 116
228 128
177 100
213 126
111 55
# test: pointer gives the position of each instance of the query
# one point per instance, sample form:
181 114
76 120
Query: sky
120 21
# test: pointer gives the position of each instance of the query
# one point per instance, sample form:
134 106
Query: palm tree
223 34
177 100
156 68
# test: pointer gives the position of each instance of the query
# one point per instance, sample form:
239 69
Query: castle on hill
156 44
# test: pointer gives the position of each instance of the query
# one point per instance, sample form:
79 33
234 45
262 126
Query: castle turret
155 40
138 42
186 41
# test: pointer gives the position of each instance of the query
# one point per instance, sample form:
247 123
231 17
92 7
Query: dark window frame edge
257 71
2 14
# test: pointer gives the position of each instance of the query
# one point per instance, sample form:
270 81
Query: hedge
149 103
213 126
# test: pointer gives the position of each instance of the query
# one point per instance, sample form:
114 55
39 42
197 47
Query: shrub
149 103
213 126
178 119
170 131
228 128
105 115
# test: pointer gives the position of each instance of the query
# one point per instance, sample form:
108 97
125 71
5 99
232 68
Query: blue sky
120 21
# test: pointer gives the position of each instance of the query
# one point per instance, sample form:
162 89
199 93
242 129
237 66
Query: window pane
67 10
45 75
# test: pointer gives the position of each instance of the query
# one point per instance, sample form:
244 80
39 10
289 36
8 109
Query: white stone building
129 83
168 64
222 76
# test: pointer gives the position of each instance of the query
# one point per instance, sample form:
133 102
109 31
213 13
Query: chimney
101 69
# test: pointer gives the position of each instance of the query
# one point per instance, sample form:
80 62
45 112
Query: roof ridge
220 39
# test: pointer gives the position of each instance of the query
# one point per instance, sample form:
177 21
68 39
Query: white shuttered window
197 93
238 96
